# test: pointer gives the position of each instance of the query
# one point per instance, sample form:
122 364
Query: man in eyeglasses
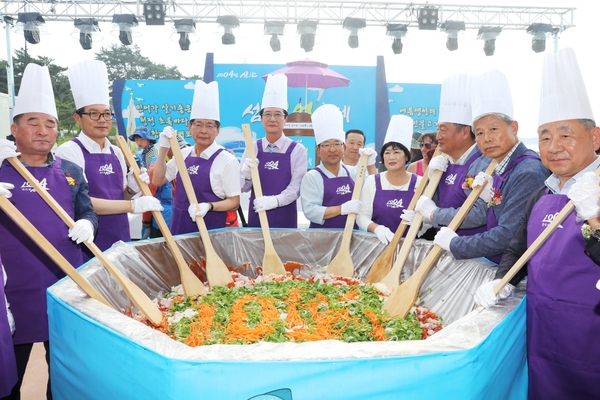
326 191
281 162
111 188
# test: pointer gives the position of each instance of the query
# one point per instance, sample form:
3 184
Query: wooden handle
50 250
191 283
271 263
216 270
137 296
403 298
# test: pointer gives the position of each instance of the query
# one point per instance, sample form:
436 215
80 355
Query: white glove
351 206
165 135
204 207
248 163
5 189
7 150
131 183
437 163
370 152
426 207
265 203
83 231
384 234
146 203
485 180
9 316
485 293
584 195
444 237
408 216
144 177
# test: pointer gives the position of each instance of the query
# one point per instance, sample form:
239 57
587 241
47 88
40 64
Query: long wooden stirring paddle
271 262
404 296
216 270
392 279
50 250
384 262
342 264
192 285
135 294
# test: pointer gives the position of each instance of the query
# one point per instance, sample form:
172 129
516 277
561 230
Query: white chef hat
400 130
563 94
275 94
328 123
89 83
491 94
206 101
455 100
35 93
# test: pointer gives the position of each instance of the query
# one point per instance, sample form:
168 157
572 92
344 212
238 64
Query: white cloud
190 85
397 88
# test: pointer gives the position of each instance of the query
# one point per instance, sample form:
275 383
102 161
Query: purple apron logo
395 203
26 186
280 394
272 165
106 169
450 179
193 169
345 189
548 220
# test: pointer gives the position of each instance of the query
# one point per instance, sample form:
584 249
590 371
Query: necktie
271 147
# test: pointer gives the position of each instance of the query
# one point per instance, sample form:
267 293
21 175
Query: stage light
397 31
452 28
185 33
307 30
539 31
228 22
86 29
428 18
353 25
30 23
489 35
274 28
154 12
123 25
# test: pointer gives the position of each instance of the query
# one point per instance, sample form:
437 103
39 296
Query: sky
424 58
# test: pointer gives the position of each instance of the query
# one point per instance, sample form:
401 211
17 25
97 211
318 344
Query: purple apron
492 222
199 171
275 172
336 191
105 179
8 364
30 271
563 322
452 195
389 204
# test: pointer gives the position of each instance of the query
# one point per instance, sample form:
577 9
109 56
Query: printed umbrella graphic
311 74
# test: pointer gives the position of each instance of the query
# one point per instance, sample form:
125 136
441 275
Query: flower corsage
468 182
495 199
70 180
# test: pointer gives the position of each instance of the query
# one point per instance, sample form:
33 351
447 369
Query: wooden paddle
404 296
537 243
50 250
342 264
383 263
392 279
271 262
192 285
137 296
217 273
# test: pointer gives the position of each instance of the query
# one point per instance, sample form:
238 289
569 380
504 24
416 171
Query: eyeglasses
95 115
327 146
201 126
276 115
426 145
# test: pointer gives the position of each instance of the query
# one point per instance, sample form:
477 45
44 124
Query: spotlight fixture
397 31
428 18
274 28
88 28
452 28
29 23
489 34
353 25
154 12
228 22
124 24
539 31
186 29
307 30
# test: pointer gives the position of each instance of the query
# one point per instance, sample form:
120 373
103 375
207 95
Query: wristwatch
595 234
